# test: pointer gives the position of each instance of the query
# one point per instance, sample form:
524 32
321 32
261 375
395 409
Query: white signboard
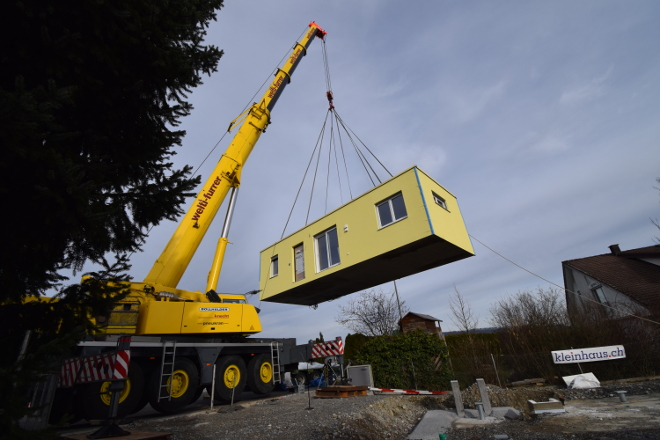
593 354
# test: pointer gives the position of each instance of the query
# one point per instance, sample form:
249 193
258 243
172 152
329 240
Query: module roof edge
356 198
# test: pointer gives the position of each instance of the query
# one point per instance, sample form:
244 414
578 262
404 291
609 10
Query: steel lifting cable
358 145
364 145
295 200
327 174
632 315
330 96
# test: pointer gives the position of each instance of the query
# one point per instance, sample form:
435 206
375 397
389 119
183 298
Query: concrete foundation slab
506 412
433 423
551 406
470 422
439 421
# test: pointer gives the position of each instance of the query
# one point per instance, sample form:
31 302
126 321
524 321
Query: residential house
627 281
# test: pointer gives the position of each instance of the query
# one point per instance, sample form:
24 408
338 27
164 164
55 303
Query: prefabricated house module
406 225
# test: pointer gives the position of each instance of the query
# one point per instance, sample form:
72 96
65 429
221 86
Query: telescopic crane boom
158 298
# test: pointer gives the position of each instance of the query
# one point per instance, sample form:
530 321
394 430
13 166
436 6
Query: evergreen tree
91 94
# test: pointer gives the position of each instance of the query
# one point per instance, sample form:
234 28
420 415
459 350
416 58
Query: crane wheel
181 387
260 374
198 394
230 374
92 401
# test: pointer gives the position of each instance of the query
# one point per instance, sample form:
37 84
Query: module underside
412 258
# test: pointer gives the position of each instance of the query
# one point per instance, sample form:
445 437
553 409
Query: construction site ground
590 414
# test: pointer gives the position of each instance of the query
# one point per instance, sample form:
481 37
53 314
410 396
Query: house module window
391 210
274 266
327 249
439 200
299 262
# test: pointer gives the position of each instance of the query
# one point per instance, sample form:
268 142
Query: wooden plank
340 391
529 382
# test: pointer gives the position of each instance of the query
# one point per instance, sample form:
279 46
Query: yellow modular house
404 226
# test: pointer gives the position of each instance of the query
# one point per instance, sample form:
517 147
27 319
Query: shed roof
638 279
423 316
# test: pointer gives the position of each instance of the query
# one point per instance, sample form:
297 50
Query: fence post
496 373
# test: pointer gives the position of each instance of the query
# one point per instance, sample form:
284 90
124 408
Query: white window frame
440 201
388 201
601 298
299 276
324 235
274 266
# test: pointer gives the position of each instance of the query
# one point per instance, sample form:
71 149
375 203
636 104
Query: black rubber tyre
198 394
230 373
144 399
185 378
301 378
92 401
260 374
61 411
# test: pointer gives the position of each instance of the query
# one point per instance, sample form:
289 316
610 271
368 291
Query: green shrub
415 360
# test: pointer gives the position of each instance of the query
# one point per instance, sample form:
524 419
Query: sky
541 117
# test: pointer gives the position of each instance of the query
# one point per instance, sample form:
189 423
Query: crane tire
230 373
260 374
198 394
92 401
185 379
144 400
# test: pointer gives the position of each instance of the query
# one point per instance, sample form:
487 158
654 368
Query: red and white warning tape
395 391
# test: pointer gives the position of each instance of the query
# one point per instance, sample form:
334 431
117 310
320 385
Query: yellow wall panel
369 254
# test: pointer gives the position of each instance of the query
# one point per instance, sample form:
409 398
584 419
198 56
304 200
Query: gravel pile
382 417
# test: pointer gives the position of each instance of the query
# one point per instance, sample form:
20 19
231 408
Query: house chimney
615 249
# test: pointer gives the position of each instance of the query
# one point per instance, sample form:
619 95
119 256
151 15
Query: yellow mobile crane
165 309
179 335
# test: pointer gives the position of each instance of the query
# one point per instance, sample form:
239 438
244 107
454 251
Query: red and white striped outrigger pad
101 367
330 348
414 392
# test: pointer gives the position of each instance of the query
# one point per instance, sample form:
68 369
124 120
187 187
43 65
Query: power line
632 315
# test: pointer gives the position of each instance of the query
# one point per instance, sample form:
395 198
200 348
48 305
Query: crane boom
175 258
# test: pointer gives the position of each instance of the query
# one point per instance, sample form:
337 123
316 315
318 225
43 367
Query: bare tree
532 324
372 313
463 316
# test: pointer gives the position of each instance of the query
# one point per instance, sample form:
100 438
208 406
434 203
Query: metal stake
622 396
480 408
309 399
232 391
496 373
213 388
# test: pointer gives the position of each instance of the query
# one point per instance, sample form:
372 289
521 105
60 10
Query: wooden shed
406 225
418 321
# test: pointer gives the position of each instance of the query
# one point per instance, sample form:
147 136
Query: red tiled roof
638 279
